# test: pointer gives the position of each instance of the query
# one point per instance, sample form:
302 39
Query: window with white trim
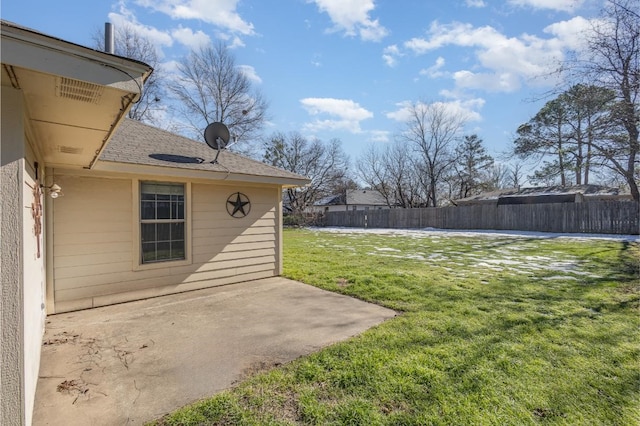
162 221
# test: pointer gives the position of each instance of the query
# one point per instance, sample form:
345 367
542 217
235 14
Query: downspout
50 301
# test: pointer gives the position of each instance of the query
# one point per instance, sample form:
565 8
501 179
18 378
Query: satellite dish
216 135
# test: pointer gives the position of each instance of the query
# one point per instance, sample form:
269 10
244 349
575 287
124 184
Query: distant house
351 199
98 209
547 194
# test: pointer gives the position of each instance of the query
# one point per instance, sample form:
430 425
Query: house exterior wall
22 311
12 410
33 261
96 241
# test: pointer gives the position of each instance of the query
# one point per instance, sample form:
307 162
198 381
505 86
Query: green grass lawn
493 331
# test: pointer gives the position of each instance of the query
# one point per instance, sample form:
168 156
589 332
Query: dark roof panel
587 190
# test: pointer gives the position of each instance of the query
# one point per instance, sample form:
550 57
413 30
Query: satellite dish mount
217 136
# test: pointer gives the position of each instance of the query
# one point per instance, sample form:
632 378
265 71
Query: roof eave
17 32
220 176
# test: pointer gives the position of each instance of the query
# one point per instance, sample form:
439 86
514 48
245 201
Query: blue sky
346 69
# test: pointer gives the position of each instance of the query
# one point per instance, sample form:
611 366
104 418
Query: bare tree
499 176
211 87
613 62
373 171
324 163
432 130
131 44
516 176
393 173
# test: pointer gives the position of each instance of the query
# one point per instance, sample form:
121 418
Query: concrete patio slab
131 363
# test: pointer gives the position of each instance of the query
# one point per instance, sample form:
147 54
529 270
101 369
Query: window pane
177 249
163 210
148 252
177 231
148 188
148 210
148 232
180 210
163 251
164 231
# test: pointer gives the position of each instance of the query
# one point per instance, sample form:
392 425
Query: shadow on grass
514 349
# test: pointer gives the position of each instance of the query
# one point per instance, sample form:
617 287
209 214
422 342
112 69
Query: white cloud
455 33
504 63
250 73
496 82
379 136
434 71
402 114
475 3
352 17
560 5
571 33
192 40
390 55
344 114
221 13
232 41
467 108
170 67
125 17
236 42
316 60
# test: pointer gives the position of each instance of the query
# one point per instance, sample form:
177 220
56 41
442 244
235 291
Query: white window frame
137 237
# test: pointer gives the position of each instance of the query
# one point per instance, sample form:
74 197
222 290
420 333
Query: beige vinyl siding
224 246
92 238
95 242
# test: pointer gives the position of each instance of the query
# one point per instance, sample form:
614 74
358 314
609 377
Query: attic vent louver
69 149
78 90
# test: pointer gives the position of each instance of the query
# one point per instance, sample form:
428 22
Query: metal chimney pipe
109 38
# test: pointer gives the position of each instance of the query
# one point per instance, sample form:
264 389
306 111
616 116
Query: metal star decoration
238 205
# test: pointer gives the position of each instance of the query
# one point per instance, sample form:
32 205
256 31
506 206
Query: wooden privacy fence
599 217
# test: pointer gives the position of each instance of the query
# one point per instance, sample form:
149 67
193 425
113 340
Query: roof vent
78 90
68 149
109 38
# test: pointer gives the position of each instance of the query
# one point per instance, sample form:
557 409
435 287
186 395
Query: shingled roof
354 197
136 143
588 191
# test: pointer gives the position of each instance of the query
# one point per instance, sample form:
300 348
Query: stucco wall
34 282
11 344
96 238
